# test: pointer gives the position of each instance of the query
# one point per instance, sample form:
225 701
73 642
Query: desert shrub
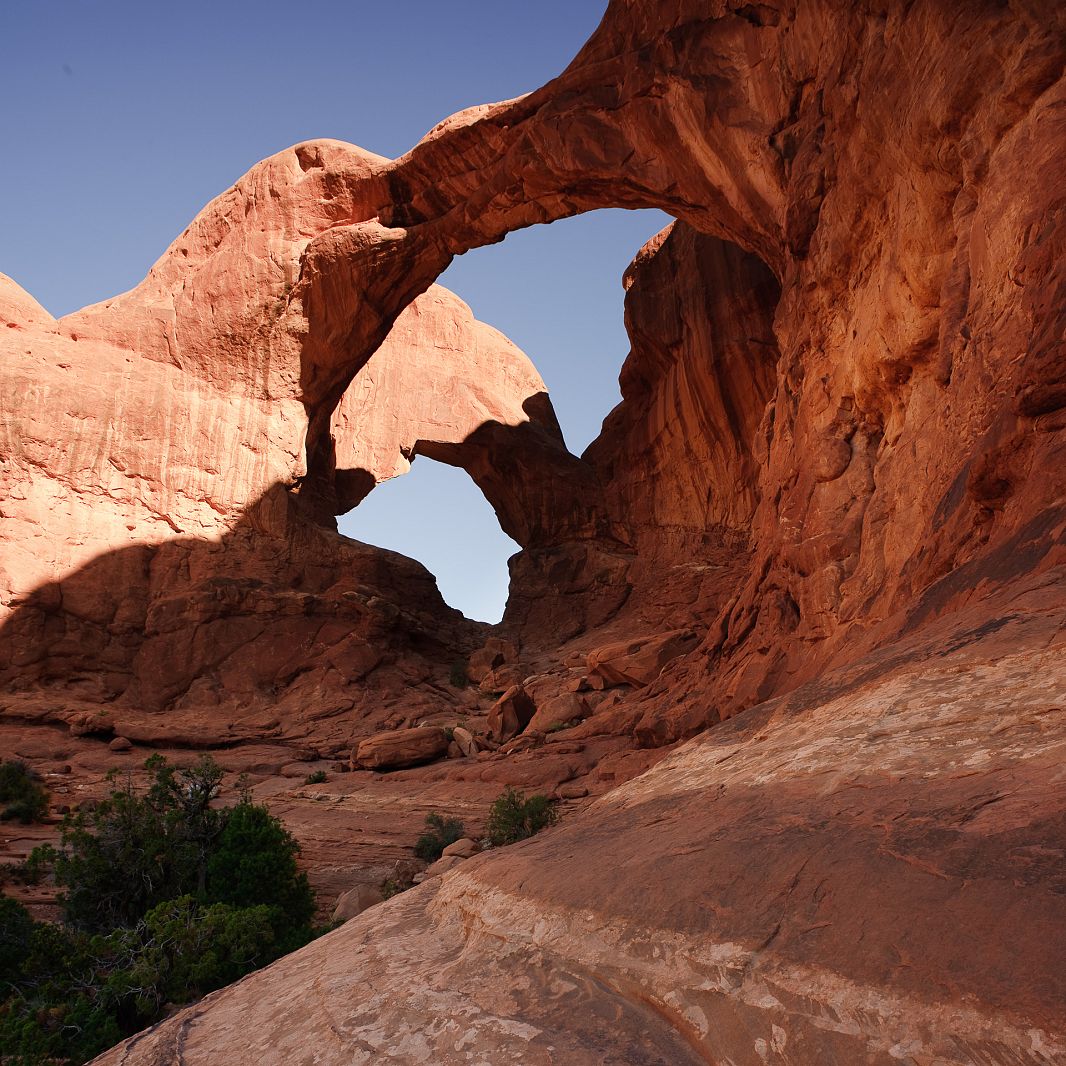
515 817
167 897
72 994
182 949
315 778
393 886
440 832
55 1008
457 674
22 797
254 864
132 852
34 867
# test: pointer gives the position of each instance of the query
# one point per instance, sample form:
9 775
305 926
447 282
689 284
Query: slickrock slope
860 872
828 521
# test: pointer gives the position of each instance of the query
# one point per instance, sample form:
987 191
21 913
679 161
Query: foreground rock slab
801 885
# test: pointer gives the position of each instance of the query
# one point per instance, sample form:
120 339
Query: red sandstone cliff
837 481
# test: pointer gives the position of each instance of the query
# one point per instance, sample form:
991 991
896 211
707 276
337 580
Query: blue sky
122 119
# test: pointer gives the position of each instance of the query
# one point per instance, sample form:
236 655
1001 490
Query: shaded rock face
839 468
678 455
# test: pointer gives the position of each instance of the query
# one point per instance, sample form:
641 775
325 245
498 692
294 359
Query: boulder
465 740
493 654
462 848
401 747
501 678
638 662
566 707
294 769
571 791
120 744
510 714
441 866
355 901
91 723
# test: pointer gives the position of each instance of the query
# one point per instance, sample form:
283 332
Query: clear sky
122 118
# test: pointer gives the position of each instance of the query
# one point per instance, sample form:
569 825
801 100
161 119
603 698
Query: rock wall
838 471
871 157
159 545
906 290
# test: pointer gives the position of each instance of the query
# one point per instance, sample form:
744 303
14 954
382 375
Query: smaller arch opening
437 515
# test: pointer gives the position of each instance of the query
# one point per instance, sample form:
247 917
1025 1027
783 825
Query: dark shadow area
279 614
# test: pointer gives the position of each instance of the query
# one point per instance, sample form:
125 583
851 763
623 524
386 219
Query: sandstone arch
876 554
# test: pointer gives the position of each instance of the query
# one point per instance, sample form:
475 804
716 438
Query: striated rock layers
833 498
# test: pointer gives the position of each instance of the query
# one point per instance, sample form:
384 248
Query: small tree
254 864
21 795
167 895
132 852
513 817
440 832
183 950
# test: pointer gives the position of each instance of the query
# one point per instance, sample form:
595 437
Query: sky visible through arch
124 119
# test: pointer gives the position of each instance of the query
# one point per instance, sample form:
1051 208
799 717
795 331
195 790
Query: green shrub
393 886
167 897
513 817
457 674
315 778
71 995
132 852
183 950
440 832
254 864
21 795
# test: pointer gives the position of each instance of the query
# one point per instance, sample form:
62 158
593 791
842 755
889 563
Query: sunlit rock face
160 543
837 478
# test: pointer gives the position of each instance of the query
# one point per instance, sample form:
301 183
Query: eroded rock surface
814 882
839 465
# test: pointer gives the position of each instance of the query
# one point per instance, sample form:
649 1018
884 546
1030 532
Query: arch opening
670 472
437 515
561 302
556 291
